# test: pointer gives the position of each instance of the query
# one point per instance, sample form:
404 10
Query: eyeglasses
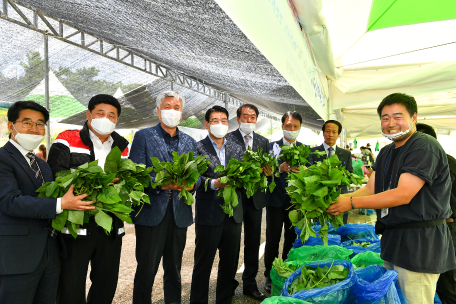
216 121
28 124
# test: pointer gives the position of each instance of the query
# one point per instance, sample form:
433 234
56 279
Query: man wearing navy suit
247 116
214 229
161 227
29 250
331 131
278 202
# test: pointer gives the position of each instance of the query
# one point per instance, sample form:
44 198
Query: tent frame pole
46 91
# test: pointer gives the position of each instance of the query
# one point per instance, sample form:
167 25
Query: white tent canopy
384 47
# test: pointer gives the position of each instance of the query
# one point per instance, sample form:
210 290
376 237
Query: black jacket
207 203
73 148
259 198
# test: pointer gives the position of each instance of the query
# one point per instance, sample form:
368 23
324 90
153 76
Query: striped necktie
330 151
35 167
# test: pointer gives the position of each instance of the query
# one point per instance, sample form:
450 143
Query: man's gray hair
165 94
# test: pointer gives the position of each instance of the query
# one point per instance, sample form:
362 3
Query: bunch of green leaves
283 269
313 190
108 198
312 277
242 175
262 160
184 171
363 244
294 155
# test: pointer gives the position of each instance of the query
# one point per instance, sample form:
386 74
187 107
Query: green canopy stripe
391 13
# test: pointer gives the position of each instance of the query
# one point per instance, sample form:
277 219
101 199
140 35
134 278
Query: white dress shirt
327 146
101 150
58 207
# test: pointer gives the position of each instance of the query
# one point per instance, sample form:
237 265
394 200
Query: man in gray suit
331 132
29 249
213 228
161 227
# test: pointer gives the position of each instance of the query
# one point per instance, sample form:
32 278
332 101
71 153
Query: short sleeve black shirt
427 250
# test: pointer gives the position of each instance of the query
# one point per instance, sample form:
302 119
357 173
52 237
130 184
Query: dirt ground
124 292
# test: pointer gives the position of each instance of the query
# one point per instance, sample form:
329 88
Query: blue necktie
330 151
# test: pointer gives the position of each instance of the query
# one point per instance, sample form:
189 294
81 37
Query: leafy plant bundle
318 277
111 198
295 156
283 269
262 160
243 175
363 244
184 171
311 193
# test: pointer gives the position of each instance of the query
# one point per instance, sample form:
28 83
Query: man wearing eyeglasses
213 228
29 247
71 149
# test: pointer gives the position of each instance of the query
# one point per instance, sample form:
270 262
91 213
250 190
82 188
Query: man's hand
267 170
339 207
172 186
189 188
285 167
71 202
218 184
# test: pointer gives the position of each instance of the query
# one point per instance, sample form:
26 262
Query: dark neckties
35 168
330 151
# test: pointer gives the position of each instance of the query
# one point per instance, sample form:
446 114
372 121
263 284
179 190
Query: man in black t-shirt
410 189
446 286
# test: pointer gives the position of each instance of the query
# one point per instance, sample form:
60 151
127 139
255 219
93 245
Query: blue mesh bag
375 284
368 211
356 231
338 293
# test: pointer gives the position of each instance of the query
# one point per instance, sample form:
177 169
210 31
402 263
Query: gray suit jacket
259 198
23 215
150 142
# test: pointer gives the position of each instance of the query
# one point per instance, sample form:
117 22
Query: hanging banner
271 25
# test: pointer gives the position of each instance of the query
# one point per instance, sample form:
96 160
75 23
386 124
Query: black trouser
252 239
103 253
39 286
345 218
152 243
276 218
225 237
446 285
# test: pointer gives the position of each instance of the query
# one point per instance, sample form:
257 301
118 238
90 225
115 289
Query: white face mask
102 126
394 136
28 141
247 128
219 130
171 118
291 135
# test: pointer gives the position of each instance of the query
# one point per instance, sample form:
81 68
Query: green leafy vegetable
312 277
108 198
311 193
262 160
283 269
184 171
242 175
295 156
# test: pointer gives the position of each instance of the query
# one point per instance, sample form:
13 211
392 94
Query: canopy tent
189 44
379 47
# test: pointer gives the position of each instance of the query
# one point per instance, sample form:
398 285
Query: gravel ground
124 292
